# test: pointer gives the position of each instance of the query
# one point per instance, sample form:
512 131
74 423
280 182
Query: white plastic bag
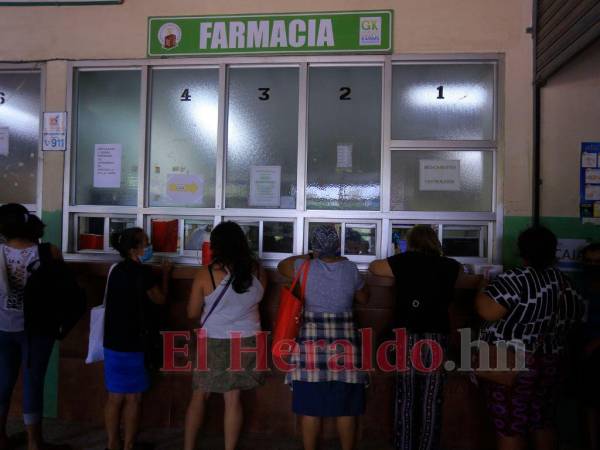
96 342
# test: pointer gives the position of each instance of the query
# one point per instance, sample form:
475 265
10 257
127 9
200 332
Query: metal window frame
36 207
384 217
362 260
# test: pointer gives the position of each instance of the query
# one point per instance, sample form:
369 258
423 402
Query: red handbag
287 325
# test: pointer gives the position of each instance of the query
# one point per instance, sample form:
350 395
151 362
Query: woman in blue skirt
319 390
130 322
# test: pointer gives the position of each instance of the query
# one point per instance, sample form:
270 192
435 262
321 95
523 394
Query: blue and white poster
589 193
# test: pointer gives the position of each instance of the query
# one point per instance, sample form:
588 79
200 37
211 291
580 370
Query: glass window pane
91 233
344 138
118 225
108 115
251 230
262 130
312 226
464 241
195 232
360 239
427 180
400 236
278 237
183 137
19 136
165 235
443 101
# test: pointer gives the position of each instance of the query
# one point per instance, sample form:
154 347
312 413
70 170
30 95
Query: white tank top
235 312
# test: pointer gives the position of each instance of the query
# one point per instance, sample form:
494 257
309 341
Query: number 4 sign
55 131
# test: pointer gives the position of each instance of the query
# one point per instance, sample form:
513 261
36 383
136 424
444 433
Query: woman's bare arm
381 268
196 300
286 267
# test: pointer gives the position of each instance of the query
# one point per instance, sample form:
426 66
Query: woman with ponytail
224 300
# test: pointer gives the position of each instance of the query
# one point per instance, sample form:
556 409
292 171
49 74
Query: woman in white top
18 347
224 299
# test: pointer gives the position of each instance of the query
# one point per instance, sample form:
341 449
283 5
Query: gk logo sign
370 31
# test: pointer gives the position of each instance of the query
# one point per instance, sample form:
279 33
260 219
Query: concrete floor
85 437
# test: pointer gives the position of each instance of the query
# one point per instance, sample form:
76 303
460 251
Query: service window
359 239
20 109
93 232
442 180
196 232
107 141
179 237
344 138
399 240
464 241
278 238
262 137
183 137
268 238
437 101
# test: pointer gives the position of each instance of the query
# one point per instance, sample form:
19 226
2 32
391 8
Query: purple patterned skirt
531 403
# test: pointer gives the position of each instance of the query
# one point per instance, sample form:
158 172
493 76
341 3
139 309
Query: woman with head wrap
320 390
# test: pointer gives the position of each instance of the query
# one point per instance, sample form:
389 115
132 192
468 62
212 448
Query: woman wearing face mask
131 297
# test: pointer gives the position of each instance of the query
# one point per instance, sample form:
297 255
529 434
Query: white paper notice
4 135
107 165
592 191
344 156
589 159
185 189
265 186
592 176
439 175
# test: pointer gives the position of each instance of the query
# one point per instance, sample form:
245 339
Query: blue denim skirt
125 372
328 398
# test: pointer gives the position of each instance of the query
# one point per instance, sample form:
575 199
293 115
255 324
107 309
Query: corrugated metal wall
564 28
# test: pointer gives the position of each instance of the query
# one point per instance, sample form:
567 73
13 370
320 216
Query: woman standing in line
537 306
18 346
333 285
425 282
130 322
224 299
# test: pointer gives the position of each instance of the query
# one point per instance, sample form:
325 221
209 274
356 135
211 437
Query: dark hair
230 248
126 240
424 239
537 246
590 248
17 223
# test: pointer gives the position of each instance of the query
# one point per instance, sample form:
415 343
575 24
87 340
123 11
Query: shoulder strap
302 272
45 253
106 287
212 276
217 301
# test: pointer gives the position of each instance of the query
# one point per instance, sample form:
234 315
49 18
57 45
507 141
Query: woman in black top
425 283
130 322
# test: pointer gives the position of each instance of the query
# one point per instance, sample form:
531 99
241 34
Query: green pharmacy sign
336 32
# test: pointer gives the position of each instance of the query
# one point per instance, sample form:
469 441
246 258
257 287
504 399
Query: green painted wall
563 227
53 234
